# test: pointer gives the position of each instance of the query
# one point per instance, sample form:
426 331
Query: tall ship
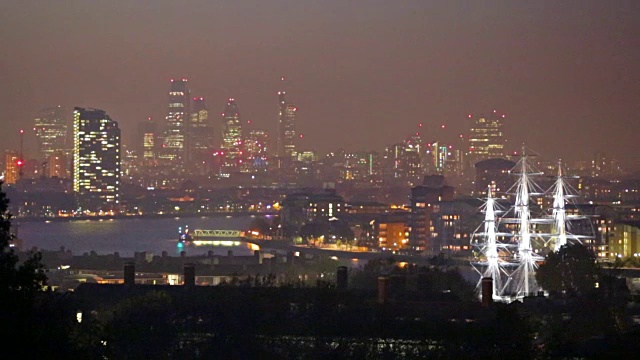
519 229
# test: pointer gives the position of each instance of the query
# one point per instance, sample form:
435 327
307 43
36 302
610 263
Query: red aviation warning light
20 163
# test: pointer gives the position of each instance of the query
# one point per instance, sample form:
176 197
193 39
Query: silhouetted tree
572 271
20 283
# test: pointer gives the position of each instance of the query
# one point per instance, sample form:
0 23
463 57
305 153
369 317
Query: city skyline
363 76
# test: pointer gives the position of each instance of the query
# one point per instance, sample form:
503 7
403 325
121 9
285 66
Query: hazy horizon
363 74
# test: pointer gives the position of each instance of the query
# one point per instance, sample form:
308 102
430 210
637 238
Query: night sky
364 74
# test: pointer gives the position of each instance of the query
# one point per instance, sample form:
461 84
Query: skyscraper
256 148
147 137
286 127
96 160
232 145
486 138
50 126
173 144
200 132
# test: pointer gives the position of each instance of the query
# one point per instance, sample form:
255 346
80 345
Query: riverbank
142 216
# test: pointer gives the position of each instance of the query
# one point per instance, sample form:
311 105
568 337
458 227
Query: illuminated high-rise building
286 127
96 160
200 132
486 138
232 145
256 148
147 139
12 167
173 144
50 126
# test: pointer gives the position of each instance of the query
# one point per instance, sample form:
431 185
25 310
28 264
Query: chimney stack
129 273
189 275
487 291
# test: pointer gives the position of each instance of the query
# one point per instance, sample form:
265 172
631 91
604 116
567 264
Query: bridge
217 233
217 237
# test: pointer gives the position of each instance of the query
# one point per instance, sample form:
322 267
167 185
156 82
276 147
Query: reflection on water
126 236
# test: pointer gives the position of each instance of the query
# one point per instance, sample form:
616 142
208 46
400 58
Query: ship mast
559 212
526 257
562 194
493 269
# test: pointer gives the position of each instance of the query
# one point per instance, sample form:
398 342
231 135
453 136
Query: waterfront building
311 205
391 231
232 141
50 126
626 240
173 144
486 137
425 200
454 223
96 160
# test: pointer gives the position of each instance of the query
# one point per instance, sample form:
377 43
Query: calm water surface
125 236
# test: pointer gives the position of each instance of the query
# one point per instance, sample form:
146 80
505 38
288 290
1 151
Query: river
125 236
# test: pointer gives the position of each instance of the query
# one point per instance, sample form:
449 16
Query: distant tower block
486 137
96 160
50 126
173 145
232 140
287 135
